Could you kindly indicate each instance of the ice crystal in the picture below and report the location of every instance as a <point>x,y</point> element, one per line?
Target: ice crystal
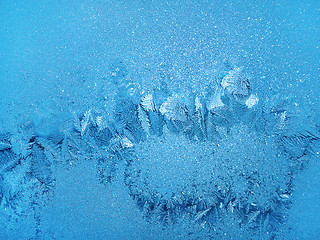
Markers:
<point>223,161</point>
<point>221,155</point>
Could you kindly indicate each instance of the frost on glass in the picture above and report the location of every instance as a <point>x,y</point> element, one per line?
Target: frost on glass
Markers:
<point>219,163</point>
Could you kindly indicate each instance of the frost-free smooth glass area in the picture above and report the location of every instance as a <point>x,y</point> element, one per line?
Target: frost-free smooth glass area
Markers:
<point>159,119</point>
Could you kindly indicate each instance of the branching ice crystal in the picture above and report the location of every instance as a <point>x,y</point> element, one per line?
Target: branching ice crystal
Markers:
<point>221,160</point>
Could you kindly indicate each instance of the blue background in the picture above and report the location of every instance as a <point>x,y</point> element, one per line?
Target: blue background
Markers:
<point>47,46</point>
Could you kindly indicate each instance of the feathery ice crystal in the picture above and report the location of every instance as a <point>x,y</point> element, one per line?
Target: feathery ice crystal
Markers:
<point>223,160</point>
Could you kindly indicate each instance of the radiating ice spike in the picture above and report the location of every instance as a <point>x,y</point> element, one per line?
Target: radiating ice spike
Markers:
<point>85,121</point>
<point>147,103</point>
<point>214,101</point>
<point>236,83</point>
<point>173,109</point>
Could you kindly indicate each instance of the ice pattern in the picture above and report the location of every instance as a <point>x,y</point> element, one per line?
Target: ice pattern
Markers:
<point>221,163</point>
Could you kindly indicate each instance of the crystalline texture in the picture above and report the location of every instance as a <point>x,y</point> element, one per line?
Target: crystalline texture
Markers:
<point>221,160</point>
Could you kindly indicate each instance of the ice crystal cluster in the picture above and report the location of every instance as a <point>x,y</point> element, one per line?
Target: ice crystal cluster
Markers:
<point>221,161</point>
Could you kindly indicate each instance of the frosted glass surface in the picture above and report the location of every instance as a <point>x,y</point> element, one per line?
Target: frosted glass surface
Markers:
<point>159,119</point>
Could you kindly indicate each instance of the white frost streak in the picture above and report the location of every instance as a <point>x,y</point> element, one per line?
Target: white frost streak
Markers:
<point>201,214</point>
<point>85,121</point>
